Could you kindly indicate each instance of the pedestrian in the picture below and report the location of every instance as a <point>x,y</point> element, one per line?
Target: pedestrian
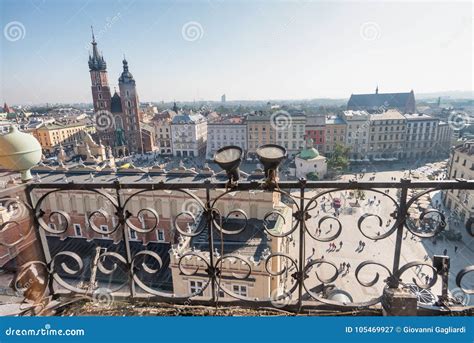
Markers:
<point>343,265</point>
<point>348,266</point>
<point>455,249</point>
<point>445,252</point>
<point>340,245</point>
<point>314,250</point>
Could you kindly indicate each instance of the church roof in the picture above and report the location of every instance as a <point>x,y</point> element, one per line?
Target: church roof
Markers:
<point>378,100</point>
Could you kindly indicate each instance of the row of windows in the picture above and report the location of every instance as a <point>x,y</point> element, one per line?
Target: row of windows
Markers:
<point>196,287</point>
<point>105,228</point>
<point>387,137</point>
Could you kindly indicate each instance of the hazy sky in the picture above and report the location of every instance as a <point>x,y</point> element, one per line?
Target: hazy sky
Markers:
<point>187,50</point>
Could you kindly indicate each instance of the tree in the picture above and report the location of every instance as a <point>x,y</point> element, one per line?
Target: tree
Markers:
<point>312,176</point>
<point>339,161</point>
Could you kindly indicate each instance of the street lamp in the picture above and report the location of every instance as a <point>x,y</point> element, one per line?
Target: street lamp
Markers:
<point>19,151</point>
<point>271,156</point>
<point>229,159</point>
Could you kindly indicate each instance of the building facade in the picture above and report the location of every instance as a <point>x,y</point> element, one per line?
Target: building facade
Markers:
<point>229,131</point>
<point>461,165</point>
<point>421,136</point>
<point>189,135</point>
<point>315,129</point>
<point>335,133</point>
<point>445,137</point>
<point>290,134</point>
<point>357,133</point>
<point>259,132</point>
<point>162,124</point>
<point>51,135</point>
<point>387,136</point>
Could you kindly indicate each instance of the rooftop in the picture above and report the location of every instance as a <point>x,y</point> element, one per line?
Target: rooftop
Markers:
<point>387,115</point>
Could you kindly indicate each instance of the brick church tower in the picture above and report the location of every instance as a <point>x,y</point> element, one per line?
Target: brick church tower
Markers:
<point>101,96</point>
<point>131,110</point>
<point>117,118</point>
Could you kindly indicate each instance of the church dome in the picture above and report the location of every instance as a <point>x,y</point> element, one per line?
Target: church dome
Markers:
<point>309,153</point>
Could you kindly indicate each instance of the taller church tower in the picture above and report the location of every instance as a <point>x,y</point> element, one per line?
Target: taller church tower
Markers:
<point>100,84</point>
<point>101,96</point>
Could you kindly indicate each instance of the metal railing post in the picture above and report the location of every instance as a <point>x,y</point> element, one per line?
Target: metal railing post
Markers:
<point>301,257</point>
<point>125,238</point>
<point>401,217</point>
<point>210,238</point>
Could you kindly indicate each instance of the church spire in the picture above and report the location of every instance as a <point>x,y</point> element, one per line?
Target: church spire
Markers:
<point>96,60</point>
<point>93,37</point>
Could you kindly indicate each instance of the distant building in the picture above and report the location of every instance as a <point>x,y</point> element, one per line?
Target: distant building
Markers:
<point>51,135</point>
<point>259,131</point>
<point>148,137</point>
<point>461,165</point>
<point>118,117</point>
<point>387,136</point>
<point>229,131</point>
<point>380,102</point>
<point>422,136</point>
<point>291,131</point>
<point>162,124</point>
<point>315,129</point>
<point>223,98</point>
<point>310,164</point>
<point>189,135</point>
<point>444,137</point>
<point>357,133</point>
<point>335,133</point>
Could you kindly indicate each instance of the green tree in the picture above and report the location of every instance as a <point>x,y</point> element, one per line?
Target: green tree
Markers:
<point>339,161</point>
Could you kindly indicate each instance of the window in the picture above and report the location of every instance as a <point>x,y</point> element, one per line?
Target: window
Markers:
<point>104,228</point>
<point>161,235</point>
<point>240,290</point>
<point>77,230</point>
<point>132,234</point>
<point>195,286</point>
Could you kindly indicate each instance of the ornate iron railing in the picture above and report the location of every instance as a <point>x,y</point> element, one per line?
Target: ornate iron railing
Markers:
<point>278,260</point>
